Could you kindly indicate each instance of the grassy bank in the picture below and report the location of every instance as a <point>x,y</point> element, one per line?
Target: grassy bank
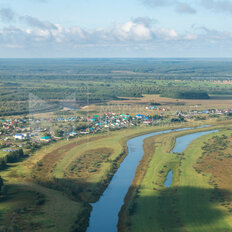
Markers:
<point>51,190</point>
<point>193,203</point>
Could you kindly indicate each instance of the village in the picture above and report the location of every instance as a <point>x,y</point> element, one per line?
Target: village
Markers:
<point>30,133</point>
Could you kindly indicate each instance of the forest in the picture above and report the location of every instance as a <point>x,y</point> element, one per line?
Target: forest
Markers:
<point>41,85</point>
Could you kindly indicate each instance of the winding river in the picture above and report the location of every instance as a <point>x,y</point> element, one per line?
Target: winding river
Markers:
<point>104,216</point>
<point>183,141</point>
<point>181,144</point>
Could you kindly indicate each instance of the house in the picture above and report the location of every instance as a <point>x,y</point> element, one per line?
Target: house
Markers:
<point>84,132</point>
<point>73,133</point>
<point>139,116</point>
<point>26,135</point>
<point>8,150</point>
<point>19,136</point>
<point>147,122</point>
<point>46,139</point>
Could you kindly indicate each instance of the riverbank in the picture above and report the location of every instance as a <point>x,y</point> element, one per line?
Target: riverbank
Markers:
<point>148,190</point>
<point>104,216</point>
<point>55,170</point>
<point>67,179</point>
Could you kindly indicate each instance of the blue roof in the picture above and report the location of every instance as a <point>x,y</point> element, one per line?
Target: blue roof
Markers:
<point>46,137</point>
<point>9,150</point>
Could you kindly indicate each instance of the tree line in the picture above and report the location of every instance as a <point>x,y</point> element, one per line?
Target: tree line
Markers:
<point>11,157</point>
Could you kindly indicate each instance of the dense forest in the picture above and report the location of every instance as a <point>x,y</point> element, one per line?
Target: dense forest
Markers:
<point>186,94</point>
<point>40,85</point>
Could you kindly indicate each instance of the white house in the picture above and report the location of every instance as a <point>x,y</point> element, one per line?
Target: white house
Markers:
<point>19,136</point>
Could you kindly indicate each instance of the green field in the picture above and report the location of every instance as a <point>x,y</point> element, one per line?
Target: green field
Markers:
<point>51,189</point>
<point>2,153</point>
<point>188,205</point>
<point>48,186</point>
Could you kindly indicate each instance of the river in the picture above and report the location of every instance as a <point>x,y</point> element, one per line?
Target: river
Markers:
<point>104,216</point>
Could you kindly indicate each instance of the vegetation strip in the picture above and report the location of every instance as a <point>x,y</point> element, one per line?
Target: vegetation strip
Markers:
<point>148,204</point>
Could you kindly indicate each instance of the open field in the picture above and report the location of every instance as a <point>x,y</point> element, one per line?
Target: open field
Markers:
<point>2,154</point>
<point>194,202</point>
<point>134,105</point>
<point>61,179</point>
<point>67,122</point>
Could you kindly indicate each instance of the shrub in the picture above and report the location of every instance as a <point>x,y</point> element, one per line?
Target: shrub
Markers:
<point>14,156</point>
<point>2,163</point>
<point>1,183</point>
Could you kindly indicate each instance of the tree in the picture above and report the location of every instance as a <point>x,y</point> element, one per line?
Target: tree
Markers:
<point>21,153</point>
<point>59,133</point>
<point>1,183</point>
<point>2,163</point>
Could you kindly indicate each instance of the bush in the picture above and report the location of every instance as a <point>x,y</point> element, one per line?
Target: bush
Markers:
<point>14,156</point>
<point>1,183</point>
<point>2,163</point>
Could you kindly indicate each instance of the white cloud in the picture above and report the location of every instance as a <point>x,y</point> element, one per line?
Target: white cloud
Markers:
<point>130,31</point>
<point>167,34</point>
<point>139,34</point>
<point>190,36</point>
<point>133,32</point>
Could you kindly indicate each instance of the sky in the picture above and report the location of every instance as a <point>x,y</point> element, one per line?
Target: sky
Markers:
<point>115,28</point>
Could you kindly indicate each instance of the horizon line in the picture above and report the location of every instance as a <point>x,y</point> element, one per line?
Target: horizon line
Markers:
<point>116,57</point>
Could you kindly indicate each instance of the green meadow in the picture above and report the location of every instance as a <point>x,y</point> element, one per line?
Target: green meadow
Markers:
<point>191,204</point>
<point>52,189</point>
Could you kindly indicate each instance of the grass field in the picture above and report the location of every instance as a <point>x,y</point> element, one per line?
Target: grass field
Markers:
<point>2,153</point>
<point>134,105</point>
<point>191,204</point>
<point>51,190</point>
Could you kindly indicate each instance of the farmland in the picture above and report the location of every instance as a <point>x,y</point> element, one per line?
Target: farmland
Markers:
<point>63,131</point>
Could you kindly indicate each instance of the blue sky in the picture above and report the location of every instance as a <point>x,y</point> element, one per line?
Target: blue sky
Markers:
<point>107,28</point>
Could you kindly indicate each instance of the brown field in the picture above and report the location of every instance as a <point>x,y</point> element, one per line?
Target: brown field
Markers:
<point>43,168</point>
<point>217,161</point>
<point>138,105</point>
